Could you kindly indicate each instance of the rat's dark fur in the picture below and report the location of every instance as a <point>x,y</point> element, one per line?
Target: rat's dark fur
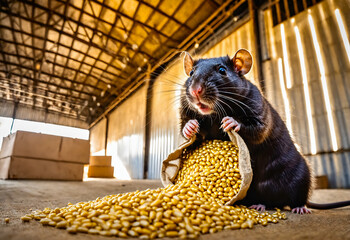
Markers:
<point>281,176</point>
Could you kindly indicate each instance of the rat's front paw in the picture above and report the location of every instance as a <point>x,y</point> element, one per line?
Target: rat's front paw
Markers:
<point>229,123</point>
<point>191,128</point>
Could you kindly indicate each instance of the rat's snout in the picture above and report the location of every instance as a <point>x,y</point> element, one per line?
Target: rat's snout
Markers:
<point>196,91</point>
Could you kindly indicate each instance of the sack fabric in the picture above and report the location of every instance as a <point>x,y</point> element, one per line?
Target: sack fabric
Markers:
<point>171,166</point>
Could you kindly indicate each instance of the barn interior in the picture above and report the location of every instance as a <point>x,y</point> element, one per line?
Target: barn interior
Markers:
<point>113,69</point>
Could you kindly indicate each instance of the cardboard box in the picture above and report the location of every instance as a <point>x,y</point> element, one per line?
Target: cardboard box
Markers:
<point>321,182</point>
<point>27,155</point>
<point>28,144</point>
<point>100,161</point>
<point>100,171</point>
<point>44,146</point>
<point>29,168</point>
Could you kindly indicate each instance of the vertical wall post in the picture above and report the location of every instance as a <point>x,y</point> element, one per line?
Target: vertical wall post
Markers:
<point>106,134</point>
<point>257,45</point>
<point>147,137</point>
<point>13,115</point>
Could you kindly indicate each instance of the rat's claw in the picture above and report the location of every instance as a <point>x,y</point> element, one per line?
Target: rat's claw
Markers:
<point>301,210</point>
<point>229,123</point>
<point>191,127</point>
<point>258,207</point>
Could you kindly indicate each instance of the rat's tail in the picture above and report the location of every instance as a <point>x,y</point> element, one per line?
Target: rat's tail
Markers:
<point>327,205</point>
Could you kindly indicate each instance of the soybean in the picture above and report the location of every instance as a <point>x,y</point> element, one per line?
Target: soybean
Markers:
<point>209,177</point>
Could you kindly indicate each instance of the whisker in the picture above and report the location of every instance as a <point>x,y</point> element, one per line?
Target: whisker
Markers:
<point>234,102</point>
<point>164,80</point>
<point>225,104</point>
<point>236,94</point>
<point>220,109</point>
<point>237,102</point>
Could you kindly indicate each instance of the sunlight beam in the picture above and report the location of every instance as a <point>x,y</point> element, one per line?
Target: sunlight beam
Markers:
<point>306,92</point>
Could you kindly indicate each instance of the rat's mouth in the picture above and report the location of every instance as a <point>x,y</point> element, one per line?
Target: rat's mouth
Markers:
<point>203,108</point>
<point>201,105</point>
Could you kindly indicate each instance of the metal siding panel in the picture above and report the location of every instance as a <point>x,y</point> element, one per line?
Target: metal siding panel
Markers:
<point>97,138</point>
<point>126,136</point>
<point>165,133</point>
<point>337,71</point>
<point>335,165</point>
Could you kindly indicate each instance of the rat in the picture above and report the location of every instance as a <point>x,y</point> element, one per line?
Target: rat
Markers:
<point>218,98</point>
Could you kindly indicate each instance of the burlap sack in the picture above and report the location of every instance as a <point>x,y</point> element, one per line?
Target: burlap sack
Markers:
<point>171,165</point>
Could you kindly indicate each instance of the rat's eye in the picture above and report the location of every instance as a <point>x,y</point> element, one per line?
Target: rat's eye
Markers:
<point>191,73</point>
<point>222,71</point>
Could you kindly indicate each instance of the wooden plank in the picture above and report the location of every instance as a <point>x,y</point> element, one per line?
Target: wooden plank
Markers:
<point>286,7</point>
<point>278,11</point>
<point>295,4</point>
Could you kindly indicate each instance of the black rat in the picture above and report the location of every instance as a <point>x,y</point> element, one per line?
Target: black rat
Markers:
<point>219,98</point>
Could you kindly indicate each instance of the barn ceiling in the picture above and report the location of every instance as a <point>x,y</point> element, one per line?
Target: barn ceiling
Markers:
<point>76,57</point>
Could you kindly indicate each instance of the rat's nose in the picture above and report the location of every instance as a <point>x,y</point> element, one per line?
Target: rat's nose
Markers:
<point>197,91</point>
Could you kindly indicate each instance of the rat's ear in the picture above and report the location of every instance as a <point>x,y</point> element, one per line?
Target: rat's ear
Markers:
<point>188,63</point>
<point>242,61</point>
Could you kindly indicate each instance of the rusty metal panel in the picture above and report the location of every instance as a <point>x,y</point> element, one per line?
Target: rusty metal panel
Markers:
<point>327,67</point>
<point>98,138</point>
<point>125,140</point>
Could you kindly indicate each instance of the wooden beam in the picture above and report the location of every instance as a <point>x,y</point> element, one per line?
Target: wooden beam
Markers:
<point>139,80</point>
<point>57,64</point>
<point>54,111</point>
<point>57,53</point>
<point>278,11</point>
<point>132,19</point>
<point>15,40</point>
<point>59,40</point>
<point>41,81</point>
<point>286,7</point>
<point>257,45</point>
<point>33,21</point>
<point>19,66</point>
<point>38,95</point>
<point>304,4</point>
<point>63,97</point>
<point>118,51</point>
<point>295,4</point>
<point>171,17</point>
<point>67,18</point>
<point>99,55</point>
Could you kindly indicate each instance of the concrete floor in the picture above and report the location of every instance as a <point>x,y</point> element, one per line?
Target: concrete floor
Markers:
<point>17,197</point>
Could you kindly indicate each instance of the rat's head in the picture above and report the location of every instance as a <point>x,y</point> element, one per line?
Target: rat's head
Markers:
<point>212,82</point>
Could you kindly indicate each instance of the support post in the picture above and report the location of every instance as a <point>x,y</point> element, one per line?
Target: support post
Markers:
<point>14,115</point>
<point>106,134</point>
<point>257,45</point>
<point>147,138</point>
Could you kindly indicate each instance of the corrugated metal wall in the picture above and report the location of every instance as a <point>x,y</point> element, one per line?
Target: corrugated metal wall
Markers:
<point>98,138</point>
<point>125,138</point>
<point>164,121</point>
<point>326,61</point>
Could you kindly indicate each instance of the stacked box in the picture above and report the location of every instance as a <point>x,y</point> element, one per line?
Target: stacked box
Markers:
<point>321,182</point>
<point>28,155</point>
<point>100,167</point>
